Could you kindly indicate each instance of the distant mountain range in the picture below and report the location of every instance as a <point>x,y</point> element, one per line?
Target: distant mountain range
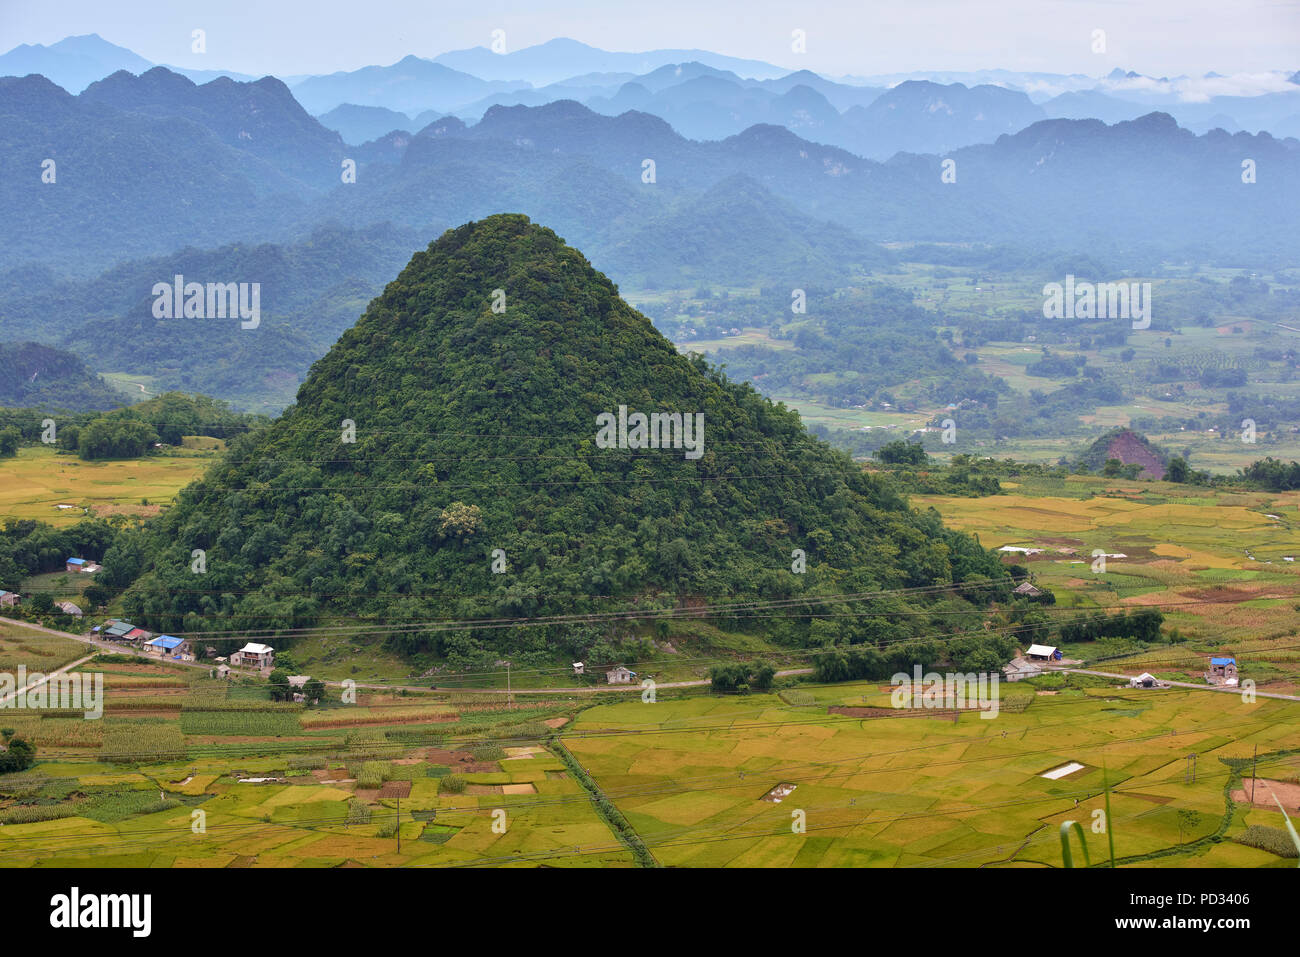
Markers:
<point>710,96</point>
<point>562,58</point>
<point>235,181</point>
<point>75,62</point>
<point>148,164</point>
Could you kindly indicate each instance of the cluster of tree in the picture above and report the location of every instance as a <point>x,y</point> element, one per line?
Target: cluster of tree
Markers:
<point>854,348</point>
<point>1141,625</point>
<point>119,436</point>
<point>29,547</point>
<point>1272,474</point>
<point>18,755</point>
<point>1056,367</point>
<point>965,653</point>
<point>902,452</point>
<point>742,677</point>
<point>126,432</point>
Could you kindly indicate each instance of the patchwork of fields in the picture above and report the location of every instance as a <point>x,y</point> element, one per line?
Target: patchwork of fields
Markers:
<point>919,791</point>
<point>187,771</point>
<point>1215,562</point>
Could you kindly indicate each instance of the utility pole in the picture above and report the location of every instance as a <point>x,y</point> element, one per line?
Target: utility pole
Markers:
<point>510,698</point>
<point>399,824</point>
<point>1254,764</point>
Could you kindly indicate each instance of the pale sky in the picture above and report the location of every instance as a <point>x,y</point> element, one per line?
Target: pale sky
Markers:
<point>287,37</point>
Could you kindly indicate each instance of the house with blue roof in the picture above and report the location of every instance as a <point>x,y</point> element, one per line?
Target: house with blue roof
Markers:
<point>1222,671</point>
<point>75,564</point>
<point>168,646</point>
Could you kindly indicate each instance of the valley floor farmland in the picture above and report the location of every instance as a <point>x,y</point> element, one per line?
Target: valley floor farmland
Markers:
<point>35,483</point>
<point>696,778</point>
<point>1222,565</point>
<point>394,780</point>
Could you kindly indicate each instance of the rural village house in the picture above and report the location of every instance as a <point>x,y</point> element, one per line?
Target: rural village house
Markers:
<point>1223,671</point>
<point>619,676</point>
<point>254,655</point>
<point>169,645</point>
<point>114,629</point>
<point>8,599</point>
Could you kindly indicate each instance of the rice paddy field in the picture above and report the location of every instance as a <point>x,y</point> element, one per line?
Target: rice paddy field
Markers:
<point>188,771</point>
<point>1223,566</point>
<point>60,489</point>
<point>700,779</point>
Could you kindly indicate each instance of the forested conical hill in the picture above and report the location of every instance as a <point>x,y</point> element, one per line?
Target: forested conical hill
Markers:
<point>476,430</point>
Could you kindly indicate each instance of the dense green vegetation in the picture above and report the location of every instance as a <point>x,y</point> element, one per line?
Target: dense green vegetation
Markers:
<point>18,753</point>
<point>37,375</point>
<point>475,431</point>
<point>28,548</point>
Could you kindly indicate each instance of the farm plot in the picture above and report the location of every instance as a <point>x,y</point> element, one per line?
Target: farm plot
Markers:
<point>922,792</point>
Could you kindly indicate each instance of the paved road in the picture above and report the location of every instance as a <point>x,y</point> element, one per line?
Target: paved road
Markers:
<point>1182,684</point>
<point>597,689</point>
<point>117,648</point>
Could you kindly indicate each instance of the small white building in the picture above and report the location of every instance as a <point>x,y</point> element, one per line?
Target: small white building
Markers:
<point>619,676</point>
<point>1144,680</point>
<point>254,655</point>
<point>1041,653</point>
<point>579,667</point>
<point>223,671</point>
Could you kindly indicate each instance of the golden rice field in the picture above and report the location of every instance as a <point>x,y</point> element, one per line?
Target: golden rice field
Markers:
<point>691,777</point>
<point>37,481</point>
<point>1214,561</point>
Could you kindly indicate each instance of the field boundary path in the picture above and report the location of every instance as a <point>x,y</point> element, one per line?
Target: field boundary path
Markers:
<point>44,679</point>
